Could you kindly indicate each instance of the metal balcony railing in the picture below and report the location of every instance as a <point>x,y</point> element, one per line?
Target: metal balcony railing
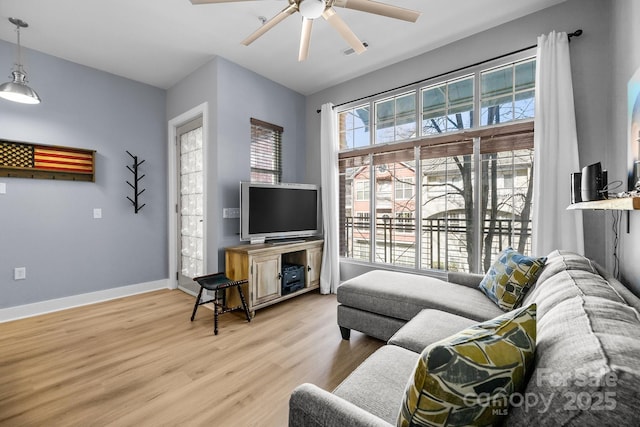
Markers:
<point>443,241</point>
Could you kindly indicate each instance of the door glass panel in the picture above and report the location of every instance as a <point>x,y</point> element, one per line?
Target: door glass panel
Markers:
<point>191,204</point>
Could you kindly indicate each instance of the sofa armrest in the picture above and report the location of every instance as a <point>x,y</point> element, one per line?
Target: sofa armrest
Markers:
<point>311,406</point>
<point>470,280</point>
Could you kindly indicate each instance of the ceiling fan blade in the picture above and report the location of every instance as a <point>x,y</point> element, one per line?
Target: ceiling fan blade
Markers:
<point>341,27</point>
<point>377,8</point>
<point>305,39</point>
<point>287,11</point>
<point>215,1</point>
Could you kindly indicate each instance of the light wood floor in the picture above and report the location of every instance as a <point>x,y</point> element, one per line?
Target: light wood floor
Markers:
<point>140,361</point>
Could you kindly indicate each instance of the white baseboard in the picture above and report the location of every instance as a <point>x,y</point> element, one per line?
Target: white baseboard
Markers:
<point>49,306</point>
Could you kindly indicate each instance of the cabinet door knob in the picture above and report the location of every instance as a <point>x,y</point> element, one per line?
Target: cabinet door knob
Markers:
<point>308,268</point>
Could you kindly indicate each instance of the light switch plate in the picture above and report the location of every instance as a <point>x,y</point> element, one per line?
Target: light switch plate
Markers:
<point>97,213</point>
<point>3,188</point>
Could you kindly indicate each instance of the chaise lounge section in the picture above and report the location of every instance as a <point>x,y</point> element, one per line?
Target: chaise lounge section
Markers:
<point>379,303</point>
<point>586,369</point>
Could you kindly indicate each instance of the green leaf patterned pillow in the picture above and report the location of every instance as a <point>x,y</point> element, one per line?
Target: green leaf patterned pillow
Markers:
<point>510,277</point>
<point>466,379</point>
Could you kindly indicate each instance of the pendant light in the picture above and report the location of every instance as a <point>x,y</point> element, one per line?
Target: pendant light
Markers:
<point>17,90</point>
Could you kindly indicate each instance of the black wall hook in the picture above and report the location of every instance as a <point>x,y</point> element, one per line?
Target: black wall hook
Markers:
<point>134,170</point>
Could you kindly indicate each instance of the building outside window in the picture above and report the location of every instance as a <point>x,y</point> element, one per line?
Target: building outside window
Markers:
<point>362,190</point>
<point>442,199</point>
<point>404,188</point>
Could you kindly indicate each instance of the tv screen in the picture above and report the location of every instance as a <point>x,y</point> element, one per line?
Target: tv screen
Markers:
<point>278,211</point>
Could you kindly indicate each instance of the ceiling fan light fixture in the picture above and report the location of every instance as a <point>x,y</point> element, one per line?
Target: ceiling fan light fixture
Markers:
<point>311,9</point>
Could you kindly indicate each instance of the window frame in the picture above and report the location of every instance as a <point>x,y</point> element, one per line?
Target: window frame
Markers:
<point>364,191</point>
<point>275,139</point>
<point>475,134</point>
<point>404,188</point>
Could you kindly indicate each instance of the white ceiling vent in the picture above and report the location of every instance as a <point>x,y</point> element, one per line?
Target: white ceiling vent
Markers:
<point>350,51</point>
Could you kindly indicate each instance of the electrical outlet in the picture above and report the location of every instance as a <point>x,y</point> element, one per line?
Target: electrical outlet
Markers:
<point>231,213</point>
<point>97,213</point>
<point>3,188</point>
<point>19,273</point>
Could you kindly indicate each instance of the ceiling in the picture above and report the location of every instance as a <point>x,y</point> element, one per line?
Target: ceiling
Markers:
<point>159,42</point>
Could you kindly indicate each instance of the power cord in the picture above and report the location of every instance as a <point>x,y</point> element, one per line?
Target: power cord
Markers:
<point>616,232</point>
<point>609,187</point>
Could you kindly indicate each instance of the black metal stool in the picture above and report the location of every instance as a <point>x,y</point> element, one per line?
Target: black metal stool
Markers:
<point>219,282</point>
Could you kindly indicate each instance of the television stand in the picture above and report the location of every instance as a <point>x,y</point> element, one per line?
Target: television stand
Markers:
<point>261,264</point>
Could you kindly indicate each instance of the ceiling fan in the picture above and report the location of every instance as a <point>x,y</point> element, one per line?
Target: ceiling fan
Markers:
<point>313,9</point>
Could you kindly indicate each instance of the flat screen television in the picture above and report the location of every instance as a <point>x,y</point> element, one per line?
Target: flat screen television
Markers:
<point>279,211</point>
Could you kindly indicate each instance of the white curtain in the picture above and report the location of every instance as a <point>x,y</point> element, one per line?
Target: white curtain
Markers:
<point>556,150</point>
<point>330,273</point>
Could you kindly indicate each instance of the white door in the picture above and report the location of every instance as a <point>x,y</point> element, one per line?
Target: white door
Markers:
<point>190,185</point>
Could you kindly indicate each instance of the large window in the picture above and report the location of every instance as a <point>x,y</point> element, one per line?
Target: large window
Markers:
<point>396,118</point>
<point>266,149</point>
<point>354,127</point>
<point>508,93</point>
<point>429,196</point>
<point>447,106</point>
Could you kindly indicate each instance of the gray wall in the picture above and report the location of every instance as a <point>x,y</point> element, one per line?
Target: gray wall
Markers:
<point>626,60</point>
<point>236,94</point>
<point>47,226</point>
<point>590,62</point>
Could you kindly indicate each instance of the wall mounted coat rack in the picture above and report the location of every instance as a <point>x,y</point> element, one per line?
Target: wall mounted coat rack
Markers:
<point>136,194</point>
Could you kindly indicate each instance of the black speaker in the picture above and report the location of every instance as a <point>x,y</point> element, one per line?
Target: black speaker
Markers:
<point>591,182</point>
<point>576,179</point>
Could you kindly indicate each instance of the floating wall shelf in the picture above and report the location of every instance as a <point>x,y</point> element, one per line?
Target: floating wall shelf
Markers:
<point>622,204</point>
<point>26,160</point>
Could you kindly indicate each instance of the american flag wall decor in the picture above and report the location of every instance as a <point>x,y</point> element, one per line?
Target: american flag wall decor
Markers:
<point>24,160</point>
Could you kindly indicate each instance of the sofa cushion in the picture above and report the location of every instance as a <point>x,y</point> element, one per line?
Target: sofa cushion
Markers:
<point>467,379</point>
<point>428,327</point>
<point>510,277</point>
<point>587,368</point>
<point>377,385</point>
<point>588,348</point>
<point>403,295</point>
<point>560,260</point>
<point>578,278</point>
<point>624,292</point>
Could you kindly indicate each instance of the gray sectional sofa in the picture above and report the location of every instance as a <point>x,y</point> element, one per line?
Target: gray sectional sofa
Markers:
<point>587,361</point>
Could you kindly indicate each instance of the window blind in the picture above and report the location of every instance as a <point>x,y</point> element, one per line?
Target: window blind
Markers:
<point>266,152</point>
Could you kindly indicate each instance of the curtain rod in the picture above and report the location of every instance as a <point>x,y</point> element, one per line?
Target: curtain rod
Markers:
<point>576,33</point>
